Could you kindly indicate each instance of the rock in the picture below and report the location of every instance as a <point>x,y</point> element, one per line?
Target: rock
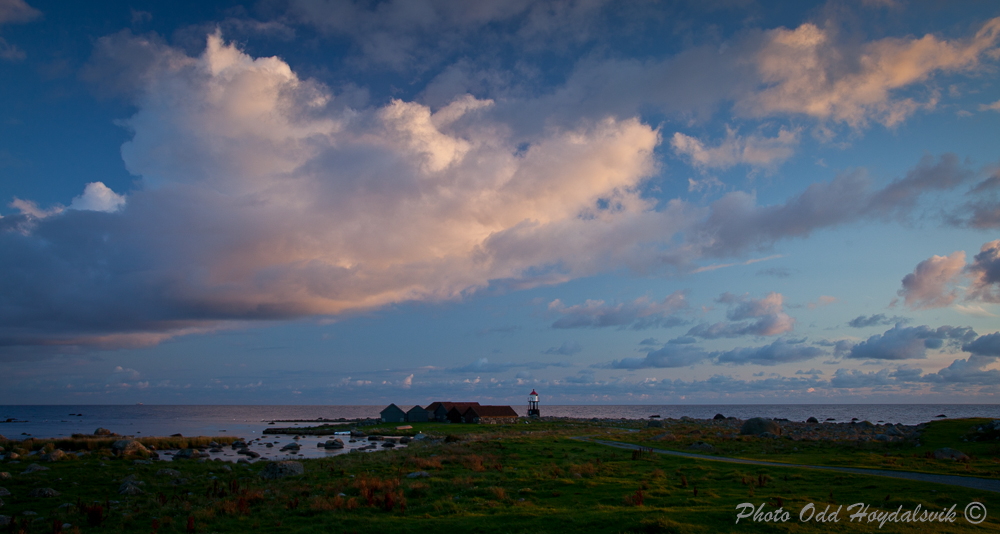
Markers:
<point>5,520</point>
<point>102,432</point>
<point>719,417</point>
<point>418,437</point>
<point>226,468</point>
<point>666,436</point>
<point>141,462</point>
<point>215,450</point>
<point>43,492</point>
<point>768,435</point>
<point>291,447</point>
<point>358,434</point>
<point>388,445</point>
<point>950,454</point>
<point>893,431</point>
<point>404,440</point>
<point>759,425</point>
<point>882,437</point>
<point>129,447</point>
<point>336,443</point>
<point>239,444</point>
<point>4,492</point>
<point>129,488</point>
<point>418,474</point>
<point>275,470</point>
<point>13,456</point>
<point>812,420</point>
<point>168,472</point>
<point>701,446</point>
<point>53,456</point>
<point>654,423</point>
<point>269,445</point>
<point>1,503</point>
<point>187,454</point>
<point>34,468</point>
<point>132,479</point>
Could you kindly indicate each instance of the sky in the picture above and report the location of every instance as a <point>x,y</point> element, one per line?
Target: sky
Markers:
<point>339,202</point>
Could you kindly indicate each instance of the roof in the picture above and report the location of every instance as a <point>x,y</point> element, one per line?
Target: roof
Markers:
<point>417,407</point>
<point>462,406</point>
<point>390,407</point>
<point>533,393</point>
<point>493,411</point>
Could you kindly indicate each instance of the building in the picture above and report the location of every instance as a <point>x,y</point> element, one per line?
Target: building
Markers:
<point>416,415</point>
<point>533,405</point>
<point>438,411</point>
<point>393,414</point>
<point>489,415</point>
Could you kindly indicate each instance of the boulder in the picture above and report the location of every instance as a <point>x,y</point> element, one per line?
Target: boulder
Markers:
<point>5,476</point>
<point>276,470</point>
<point>34,468</point>
<point>759,425</point>
<point>404,440</point>
<point>893,431</point>
<point>812,420</point>
<point>239,444</point>
<point>883,438</point>
<point>187,454</point>
<point>129,447</point>
<point>768,435</point>
<point>129,488</point>
<point>950,454</point>
<point>336,443</point>
<point>53,456</point>
<point>418,437</point>
<point>43,492</point>
<point>291,447</point>
<point>102,432</point>
<point>719,417</point>
<point>666,436</point>
<point>654,423</point>
<point>13,456</point>
<point>701,446</point>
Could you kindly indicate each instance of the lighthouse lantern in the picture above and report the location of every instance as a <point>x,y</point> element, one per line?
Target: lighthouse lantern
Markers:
<point>533,405</point>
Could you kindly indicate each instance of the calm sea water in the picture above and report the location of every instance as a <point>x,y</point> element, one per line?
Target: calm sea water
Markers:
<point>250,421</point>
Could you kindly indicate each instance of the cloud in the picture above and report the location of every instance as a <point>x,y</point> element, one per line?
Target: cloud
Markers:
<point>566,349</point>
<point>752,150</point>
<point>929,285</point>
<point>970,371</point>
<point>809,372</point>
<point>670,356</point>
<point>907,343</point>
<point>17,12</point>
<point>994,106</point>
<point>639,314</point>
<point>483,365</point>
<point>748,316</point>
<point>804,71</point>
<point>985,273</point>
<point>98,197</point>
<point>781,351</point>
<point>986,345</point>
<point>878,319</point>
<point>902,193</point>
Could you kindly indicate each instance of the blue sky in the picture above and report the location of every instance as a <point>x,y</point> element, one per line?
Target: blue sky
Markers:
<point>608,202</point>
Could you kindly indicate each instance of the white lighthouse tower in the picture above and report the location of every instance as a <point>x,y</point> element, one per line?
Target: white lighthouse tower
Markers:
<point>533,405</point>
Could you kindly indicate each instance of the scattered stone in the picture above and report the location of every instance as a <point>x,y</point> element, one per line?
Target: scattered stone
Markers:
<point>758,425</point>
<point>950,454</point>
<point>102,432</point>
<point>43,492</point>
<point>719,417</point>
<point>812,420</point>
<point>701,446</point>
<point>275,470</point>
<point>34,468</point>
<point>418,474</point>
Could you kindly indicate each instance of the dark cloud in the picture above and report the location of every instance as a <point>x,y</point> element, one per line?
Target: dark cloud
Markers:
<point>670,356</point>
<point>987,345</point>
<point>985,273</point>
<point>906,343</point>
<point>897,198</point>
<point>781,351</point>
<point>639,314</point>
<point>809,372</point>
<point>566,349</point>
<point>878,319</point>
<point>649,341</point>
<point>967,372</point>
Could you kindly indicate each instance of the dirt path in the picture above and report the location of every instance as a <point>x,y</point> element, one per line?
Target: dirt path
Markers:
<point>950,480</point>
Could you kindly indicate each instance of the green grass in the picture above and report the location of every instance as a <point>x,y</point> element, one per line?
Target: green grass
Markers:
<point>525,478</point>
<point>901,456</point>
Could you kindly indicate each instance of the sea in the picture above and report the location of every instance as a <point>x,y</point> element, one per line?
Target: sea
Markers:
<point>249,422</point>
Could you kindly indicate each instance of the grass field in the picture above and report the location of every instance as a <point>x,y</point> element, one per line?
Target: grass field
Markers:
<point>529,478</point>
